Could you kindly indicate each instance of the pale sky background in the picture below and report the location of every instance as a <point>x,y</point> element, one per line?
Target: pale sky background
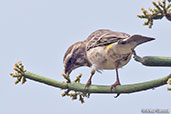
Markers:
<point>38,32</point>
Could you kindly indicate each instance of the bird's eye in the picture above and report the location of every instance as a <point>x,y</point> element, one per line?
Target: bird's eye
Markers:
<point>123,42</point>
<point>71,60</point>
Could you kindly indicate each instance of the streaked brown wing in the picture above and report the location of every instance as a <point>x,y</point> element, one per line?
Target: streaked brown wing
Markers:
<point>103,38</point>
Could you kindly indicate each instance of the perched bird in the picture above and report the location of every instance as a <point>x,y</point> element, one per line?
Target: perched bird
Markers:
<point>103,50</point>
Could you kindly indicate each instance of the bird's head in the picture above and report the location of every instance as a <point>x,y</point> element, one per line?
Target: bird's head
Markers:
<point>75,57</point>
<point>127,44</point>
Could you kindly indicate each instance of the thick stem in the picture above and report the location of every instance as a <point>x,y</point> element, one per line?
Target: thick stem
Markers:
<point>98,88</point>
<point>154,61</point>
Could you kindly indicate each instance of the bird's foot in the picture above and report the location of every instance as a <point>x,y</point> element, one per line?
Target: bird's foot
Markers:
<point>114,85</point>
<point>88,84</point>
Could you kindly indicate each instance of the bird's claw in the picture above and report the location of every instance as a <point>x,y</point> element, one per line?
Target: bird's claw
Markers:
<point>88,83</point>
<point>114,85</point>
<point>86,86</point>
<point>117,95</point>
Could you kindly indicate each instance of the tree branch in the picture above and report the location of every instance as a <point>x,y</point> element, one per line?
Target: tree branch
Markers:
<point>98,88</point>
<point>154,61</point>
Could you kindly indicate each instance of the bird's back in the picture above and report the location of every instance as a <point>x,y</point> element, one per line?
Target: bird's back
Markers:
<point>104,37</point>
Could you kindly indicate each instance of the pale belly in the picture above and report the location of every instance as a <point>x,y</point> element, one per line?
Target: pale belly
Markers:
<point>102,59</point>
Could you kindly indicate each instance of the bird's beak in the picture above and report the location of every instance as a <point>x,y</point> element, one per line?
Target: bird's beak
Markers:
<point>139,39</point>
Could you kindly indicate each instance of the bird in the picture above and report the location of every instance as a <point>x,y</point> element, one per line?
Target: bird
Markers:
<point>103,50</point>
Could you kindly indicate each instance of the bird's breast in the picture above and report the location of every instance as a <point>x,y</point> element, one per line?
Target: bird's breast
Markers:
<point>102,58</point>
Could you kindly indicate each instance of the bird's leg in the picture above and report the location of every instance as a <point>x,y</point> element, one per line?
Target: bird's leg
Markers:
<point>116,83</point>
<point>89,81</point>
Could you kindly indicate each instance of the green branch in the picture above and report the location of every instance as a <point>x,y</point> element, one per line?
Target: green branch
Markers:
<point>79,89</point>
<point>98,88</point>
<point>154,61</point>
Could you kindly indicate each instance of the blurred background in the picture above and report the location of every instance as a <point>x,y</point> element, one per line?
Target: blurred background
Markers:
<point>38,32</point>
